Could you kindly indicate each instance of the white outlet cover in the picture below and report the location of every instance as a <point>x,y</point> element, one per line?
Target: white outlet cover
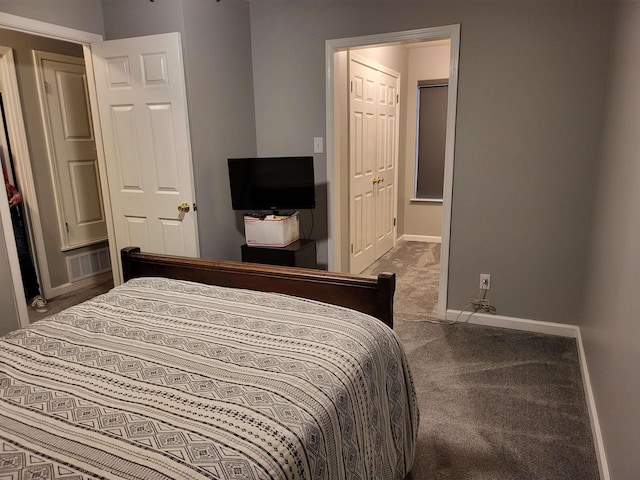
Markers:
<point>318,144</point>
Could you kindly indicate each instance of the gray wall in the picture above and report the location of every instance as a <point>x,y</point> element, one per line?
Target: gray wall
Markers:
<point>222,114</point>
<point>135,18</point>
<point>217,56</point>
<point>78,14</point>
<point>610,330</point>
<point>531,92</point>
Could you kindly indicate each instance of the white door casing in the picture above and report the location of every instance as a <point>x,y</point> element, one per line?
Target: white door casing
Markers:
<point>373,152</point>
<point>66,115</point>
<point>337,190</point>
<point>143,114</point>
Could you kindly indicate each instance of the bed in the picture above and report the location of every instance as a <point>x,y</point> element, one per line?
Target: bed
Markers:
<point>199,369</point>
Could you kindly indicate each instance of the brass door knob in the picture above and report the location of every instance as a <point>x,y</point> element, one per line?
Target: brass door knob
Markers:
<point>183,208</point>
<point>376,180</point>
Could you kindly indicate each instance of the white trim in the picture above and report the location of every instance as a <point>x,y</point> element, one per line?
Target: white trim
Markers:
<point>80,284</point>
<point>419,238</point>
<point>50,30</point>
<point>451,32</point>
<point>102,166</point>
<point>426,200</point>
<point>447,190</point>
<point>593,413</point>
<point>513,323</point>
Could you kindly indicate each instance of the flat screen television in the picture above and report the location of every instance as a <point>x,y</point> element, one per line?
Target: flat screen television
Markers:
<point>272,183</point>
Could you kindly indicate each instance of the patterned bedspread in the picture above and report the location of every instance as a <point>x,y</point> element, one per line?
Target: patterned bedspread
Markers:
<point>162,379</point>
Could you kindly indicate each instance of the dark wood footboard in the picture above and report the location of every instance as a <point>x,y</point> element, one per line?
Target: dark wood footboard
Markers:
<point>373,296</point>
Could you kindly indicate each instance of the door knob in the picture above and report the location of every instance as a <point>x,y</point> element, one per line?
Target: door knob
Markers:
<point>183,208</point>
<point>376,180</point>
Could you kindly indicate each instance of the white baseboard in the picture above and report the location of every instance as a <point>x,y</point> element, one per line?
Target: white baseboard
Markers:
<point>420,238</point>
<point>593,413</point>
<point>550,328</point>
<point>84,283</point>
<point>514,323</point>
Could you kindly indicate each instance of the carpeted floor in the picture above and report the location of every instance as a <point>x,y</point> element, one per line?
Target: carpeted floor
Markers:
<point>59,303</point>
<point>494,403</point>
<point>497,404</point>
<point>418,268</point>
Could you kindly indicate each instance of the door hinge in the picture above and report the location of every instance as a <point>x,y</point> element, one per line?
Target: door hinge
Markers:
<point>352,248</point>
<point>66,225</point>
<point>397,98</point>
<point>394,222</point>
<point>46,87</point>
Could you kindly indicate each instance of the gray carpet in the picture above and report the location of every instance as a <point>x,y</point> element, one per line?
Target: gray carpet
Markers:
<point>59,303</point>
<point>416,295</point>
<point>495,403</point>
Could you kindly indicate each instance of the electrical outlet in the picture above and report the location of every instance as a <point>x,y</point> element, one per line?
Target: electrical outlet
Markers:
<point>485,281</point>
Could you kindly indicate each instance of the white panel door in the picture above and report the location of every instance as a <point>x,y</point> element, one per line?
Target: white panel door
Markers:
<point>74,166</point>
<point>373,147</point>
<point>362,166</point>
<point>144,120</point>
<point>387,153</point>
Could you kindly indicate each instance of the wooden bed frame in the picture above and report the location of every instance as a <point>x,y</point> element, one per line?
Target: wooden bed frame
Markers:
<point>373,296</point>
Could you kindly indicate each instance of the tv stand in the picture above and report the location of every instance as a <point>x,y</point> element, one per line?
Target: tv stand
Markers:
<point>301,253</point>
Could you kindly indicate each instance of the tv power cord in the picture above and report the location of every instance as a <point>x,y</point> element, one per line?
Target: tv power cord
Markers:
<point>475,305</point>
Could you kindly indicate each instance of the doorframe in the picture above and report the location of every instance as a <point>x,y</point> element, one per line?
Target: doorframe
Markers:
<point>337,191</point>
<point>15,130</point>
<point>20,147</point>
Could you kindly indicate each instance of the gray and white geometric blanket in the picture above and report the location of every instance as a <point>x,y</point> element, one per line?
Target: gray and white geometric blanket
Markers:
<point>167,379</point>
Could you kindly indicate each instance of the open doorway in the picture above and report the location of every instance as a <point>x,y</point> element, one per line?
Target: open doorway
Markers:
<point>337,141</point>
<point>54,277</point>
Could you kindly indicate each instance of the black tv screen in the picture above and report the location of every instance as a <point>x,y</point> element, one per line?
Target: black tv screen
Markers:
<point>272,183</point>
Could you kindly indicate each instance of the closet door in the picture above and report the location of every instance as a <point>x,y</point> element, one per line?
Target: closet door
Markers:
<point>373,154</point>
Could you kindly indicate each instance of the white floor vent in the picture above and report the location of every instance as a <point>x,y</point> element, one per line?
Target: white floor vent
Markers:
<point>88,264</point>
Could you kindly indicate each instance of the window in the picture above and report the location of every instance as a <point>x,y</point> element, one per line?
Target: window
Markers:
<point>430,138</point>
